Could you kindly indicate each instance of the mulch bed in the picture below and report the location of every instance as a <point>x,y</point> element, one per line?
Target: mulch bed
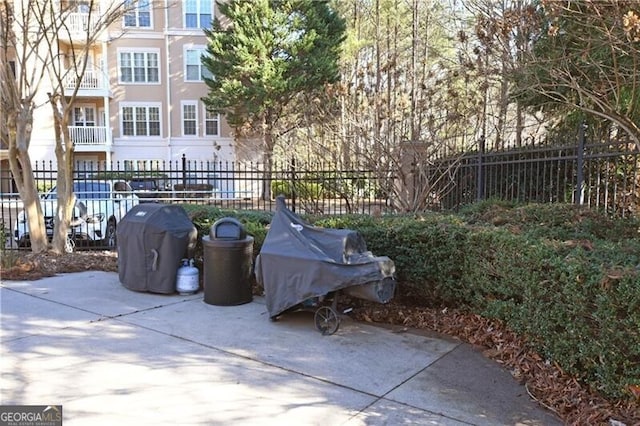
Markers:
<point>32,266</point>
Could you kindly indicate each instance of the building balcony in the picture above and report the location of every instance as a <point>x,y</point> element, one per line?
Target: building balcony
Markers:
<point>78,25</point>
<point>94,83</point>
<point>90,138</point>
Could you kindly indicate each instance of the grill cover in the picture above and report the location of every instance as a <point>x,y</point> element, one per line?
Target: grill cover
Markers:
<point>152,239</point>
<point>299,261</point>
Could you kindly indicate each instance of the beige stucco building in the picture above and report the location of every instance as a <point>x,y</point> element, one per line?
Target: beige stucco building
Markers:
<point>140,99</point>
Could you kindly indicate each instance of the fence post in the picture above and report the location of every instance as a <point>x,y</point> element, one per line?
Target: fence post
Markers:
<point>184,172</point>
<point>293,184</point>
<point>480,171</point>
<point>579,197</point>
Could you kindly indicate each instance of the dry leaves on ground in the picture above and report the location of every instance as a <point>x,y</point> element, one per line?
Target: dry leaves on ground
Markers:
<point>545,381</point>
<point>33,266</point>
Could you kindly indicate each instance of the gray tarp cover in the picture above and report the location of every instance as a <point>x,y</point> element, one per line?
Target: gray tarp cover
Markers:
<point>152,239</point>
<point>299,261</point>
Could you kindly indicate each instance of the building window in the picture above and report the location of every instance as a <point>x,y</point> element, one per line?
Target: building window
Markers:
<point>139,67</point>
<point>82,7</point>
<point>12,65</point>
<point>211,123</point>
<point>189,119</point>
<point>138,14</point>
<point>194,70</point>
<point>140,120</point>
<point>142,165</point>
<point>84,116</point>
<point>197,13</point>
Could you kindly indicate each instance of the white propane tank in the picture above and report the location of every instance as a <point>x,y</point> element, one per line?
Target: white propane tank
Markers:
<point>187,279</point>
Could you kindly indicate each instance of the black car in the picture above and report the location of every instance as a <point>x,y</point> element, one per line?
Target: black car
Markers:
<point>150,189</point>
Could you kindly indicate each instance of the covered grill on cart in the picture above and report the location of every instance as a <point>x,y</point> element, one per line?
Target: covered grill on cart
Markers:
<point>302,266</point>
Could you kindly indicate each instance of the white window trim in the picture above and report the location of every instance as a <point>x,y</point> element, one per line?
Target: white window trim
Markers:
<point>138,27</point>
<point>186,47</point>
<point>182,105</point>
<point>204,123</point>
<point>139,50</point>
<point>184,15</point>
<point>139,104</point>
<point>101,119</point>
<point>84,105</point>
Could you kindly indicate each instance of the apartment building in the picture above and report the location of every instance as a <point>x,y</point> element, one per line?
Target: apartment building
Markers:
<point>139,101</point>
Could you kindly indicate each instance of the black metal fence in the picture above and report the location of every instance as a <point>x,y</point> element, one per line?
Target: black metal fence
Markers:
<point>312,188</point>
<point>603,176</point>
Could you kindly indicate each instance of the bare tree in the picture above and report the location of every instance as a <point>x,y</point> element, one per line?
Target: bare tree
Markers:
<point>20,81</point>
<point>63,94</point>
<point>404,94</point>
<point>32,34</point>
<point>585,58</point>
<point>501,38</point>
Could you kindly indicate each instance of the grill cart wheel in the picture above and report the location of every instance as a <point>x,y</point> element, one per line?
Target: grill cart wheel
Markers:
<point>327,320</point>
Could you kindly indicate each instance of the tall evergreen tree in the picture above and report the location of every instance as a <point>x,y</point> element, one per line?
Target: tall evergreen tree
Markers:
<point>265,54</point>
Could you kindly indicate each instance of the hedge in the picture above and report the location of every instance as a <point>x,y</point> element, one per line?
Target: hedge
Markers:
<point>565,278</point>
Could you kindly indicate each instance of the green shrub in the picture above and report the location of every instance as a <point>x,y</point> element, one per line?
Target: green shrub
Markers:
<point>566,279</point>
<point>8,258</point>
<point>425,249</point>
<point>203,217</point>
<point>311,191</point>
<point>45,186</point>
<point>305,190</point>
<point>281,187</point>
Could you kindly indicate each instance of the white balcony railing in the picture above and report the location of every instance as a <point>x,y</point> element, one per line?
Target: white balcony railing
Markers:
<point>89,135</point>
<point>93,79</point>
<point>78,25</point>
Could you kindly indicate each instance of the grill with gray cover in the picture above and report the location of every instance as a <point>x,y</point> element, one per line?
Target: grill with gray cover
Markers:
<point>300,264</point>
<point>152,240</point>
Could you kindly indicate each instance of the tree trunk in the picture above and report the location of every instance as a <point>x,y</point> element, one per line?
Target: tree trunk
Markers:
<point>519,124</point>
<point>503,106</point>
<point>20,165</point>
<point>268,143</point>
<point>64,180</point>
<point>415,130</point>
<point>31,203</point>
<point>267,159</point>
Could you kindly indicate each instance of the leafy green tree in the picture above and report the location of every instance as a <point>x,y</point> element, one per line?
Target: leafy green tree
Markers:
<point>264,56</point>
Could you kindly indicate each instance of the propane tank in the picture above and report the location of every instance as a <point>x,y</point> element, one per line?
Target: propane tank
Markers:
<point>187,279</point>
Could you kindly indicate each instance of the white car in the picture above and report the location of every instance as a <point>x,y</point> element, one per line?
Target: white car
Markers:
<point>100,204</point>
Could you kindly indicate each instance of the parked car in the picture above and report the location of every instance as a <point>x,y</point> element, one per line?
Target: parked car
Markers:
<point>150,188</point>
<point>100,204</point>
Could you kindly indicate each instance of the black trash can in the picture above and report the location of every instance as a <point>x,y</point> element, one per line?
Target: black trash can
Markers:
<point>228,258</point>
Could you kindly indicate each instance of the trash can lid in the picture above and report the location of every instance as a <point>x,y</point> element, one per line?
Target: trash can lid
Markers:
<point>227,228</point>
